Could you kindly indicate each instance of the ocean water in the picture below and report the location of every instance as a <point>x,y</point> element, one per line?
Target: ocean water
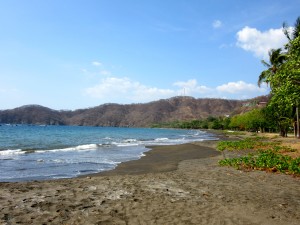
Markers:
<point>52,152</point>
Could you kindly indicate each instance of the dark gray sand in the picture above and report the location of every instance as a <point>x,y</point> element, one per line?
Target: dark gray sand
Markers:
<point>162,159</point>
<point>171,185</point>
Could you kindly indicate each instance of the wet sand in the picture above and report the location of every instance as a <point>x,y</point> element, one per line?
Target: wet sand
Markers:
<point>180,184</point>
<point>162,159</point>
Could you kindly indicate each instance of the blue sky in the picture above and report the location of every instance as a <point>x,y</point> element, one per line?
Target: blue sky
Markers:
<point>82,53</point>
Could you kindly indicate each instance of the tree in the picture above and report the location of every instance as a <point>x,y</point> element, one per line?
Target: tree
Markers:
<point>276,58</point>
<point>283,74</point>
<point>286,83</point>
<point>294,32</point>
<point>254,120</point>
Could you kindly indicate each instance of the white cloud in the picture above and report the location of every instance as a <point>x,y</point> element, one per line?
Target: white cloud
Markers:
<point>96,63</point>
<point>125,90</point>
<point>113,88</point>
<point>217,24</point>
<point>191,87</point>
<point>258,42</point>
<point>239,87</point>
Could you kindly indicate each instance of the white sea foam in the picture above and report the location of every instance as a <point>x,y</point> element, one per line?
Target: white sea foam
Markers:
<point>58,160</point>
<point>127,144</point>
<point>76,148</point>
<point>83,151</point>
<point>161,139</point>
<point>11,152</point>
<point>107,138</point>
<point>107,161</point>
<point>87,147</point>
<point>131,140</point>
<point>167,141</point>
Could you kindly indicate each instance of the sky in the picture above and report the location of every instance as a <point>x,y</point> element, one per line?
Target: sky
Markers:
<point>74,54</point>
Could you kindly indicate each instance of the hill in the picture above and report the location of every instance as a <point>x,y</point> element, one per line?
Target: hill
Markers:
<point>131,115</point>
<point>31,114</point>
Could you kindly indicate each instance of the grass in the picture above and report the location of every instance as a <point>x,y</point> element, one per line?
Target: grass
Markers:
<point>267,155</point>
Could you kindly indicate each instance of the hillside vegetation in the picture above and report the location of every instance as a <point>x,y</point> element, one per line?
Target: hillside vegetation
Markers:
<point>131,115</point>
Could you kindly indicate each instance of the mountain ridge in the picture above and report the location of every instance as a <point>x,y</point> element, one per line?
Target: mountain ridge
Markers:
<point>128,115</point>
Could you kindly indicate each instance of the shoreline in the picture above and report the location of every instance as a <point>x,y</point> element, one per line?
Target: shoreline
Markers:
<point>158,160</point>
<point>162,158</point>
<point>182,188</point>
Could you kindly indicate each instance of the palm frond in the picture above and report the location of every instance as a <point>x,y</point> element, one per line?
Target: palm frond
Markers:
<point>265,63</point>
<point>296,30</point>
<point>264,77</point>
<point>285,30</point>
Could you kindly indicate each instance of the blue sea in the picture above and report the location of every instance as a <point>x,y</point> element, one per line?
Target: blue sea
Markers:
<point>30,152</point>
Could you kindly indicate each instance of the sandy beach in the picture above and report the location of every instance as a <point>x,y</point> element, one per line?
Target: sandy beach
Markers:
<point>180,184</point>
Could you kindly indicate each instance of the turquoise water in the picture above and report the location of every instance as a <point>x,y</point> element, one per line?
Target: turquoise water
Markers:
<point>53,152</point>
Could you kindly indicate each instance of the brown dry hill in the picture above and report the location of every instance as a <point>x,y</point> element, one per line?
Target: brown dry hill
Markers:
<point>131,115</point>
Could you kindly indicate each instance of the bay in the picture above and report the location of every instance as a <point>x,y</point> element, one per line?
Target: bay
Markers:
<point>30,152</point>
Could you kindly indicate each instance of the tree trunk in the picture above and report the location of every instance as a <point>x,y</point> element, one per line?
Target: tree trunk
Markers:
<point>297,113</point>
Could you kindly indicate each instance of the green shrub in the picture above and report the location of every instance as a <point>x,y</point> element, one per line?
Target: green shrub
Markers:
<point>247,143</point>
<point>269,160</point>
<point>268,157</point>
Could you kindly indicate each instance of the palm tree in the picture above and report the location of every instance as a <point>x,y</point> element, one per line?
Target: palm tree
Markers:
<point>295,32</point>
<point>292,35</point>
<point>276,58</point>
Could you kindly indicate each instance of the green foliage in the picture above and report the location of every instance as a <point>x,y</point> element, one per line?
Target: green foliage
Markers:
<point>216,123</point>
<point>254,120</point>
<point>235,145</point>
<point>277,58</point>
<point>246,144</point>
<point>269,160</point>
<point>283,74</point>
<point>269,157</point>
